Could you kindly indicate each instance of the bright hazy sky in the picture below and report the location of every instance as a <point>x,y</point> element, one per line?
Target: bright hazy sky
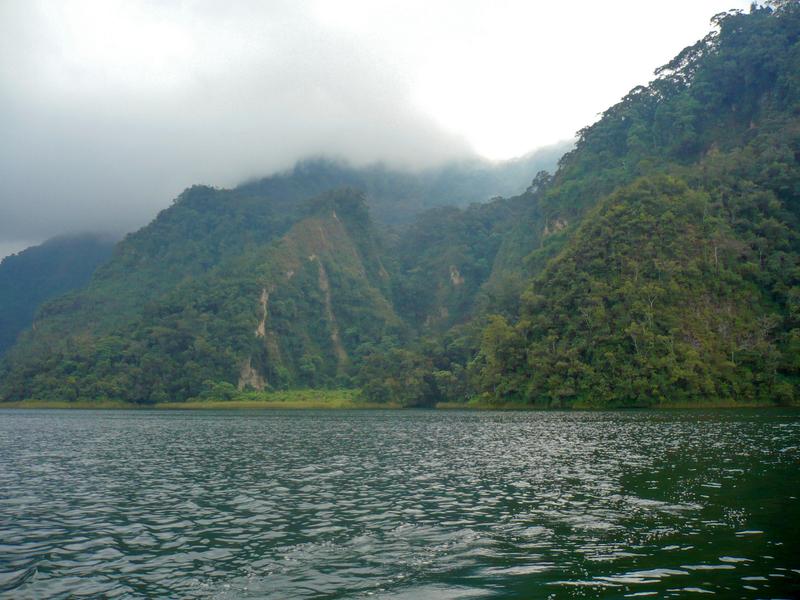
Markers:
<point>109,109</point>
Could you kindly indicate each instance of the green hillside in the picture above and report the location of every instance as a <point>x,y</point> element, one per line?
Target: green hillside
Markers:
<point>676,278</point>
<point>653,300</point>
<point>659,265</point>
<point>291,311</point>
<point>39,273</point>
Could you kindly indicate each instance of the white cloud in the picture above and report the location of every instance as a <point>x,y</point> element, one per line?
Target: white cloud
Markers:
<point>109,108</point>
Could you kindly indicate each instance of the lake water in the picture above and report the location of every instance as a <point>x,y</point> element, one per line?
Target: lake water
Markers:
<point>404,504</point>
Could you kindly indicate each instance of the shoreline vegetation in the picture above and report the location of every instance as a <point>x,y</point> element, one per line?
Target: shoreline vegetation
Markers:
<point>351,399</point>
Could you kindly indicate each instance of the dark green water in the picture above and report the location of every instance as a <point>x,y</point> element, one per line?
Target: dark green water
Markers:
<point>399,504</point>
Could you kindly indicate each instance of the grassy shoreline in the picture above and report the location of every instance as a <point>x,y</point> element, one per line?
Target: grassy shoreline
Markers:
<point>510,406</point>
<point>291,399</point>
<point>346,399</point>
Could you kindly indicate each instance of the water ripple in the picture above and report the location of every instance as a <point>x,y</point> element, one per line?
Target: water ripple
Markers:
<point>398,504</point>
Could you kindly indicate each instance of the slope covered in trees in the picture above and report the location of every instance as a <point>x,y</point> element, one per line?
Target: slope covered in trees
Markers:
<point>660,264</point>
<point>680,283</point>
<point>39,273</point>
<point>292,311</point>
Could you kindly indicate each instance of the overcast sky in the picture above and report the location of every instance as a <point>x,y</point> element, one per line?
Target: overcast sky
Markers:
<point>108,109</point>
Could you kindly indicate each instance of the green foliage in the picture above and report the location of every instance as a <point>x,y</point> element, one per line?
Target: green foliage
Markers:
<point>441,262</point>
<point>40,273</point>
<point>671,288</point>
<point>286,313</point>
<point>398,376</point>
<point>654,300</point>
<point>659,265</point>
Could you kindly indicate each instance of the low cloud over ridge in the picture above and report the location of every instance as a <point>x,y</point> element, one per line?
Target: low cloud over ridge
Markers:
<point>110,108</point>
<point>88,145</point>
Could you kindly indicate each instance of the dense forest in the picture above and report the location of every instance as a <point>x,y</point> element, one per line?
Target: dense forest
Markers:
<point>658,265</point>
<point>39,273</point>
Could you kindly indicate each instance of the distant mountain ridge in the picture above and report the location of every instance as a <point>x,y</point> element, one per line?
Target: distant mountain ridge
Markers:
<point>395,196</point>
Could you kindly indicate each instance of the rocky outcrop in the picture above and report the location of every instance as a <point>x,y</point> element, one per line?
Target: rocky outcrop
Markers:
<point>336,340</point>
<point>250,379</point>
<point>261,330</point>
<point>455,276</point>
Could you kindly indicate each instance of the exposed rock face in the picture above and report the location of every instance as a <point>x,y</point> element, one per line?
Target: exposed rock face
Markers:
<point>249,378</point>
<point>261,330</point>
<point>336,340</point>
<point>455,276</point>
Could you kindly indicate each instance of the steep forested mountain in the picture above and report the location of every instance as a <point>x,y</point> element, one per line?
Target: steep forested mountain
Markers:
<point>42,272</point>
<point>675,277</point>
<point>273,304</point>
<point>660,264</point>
